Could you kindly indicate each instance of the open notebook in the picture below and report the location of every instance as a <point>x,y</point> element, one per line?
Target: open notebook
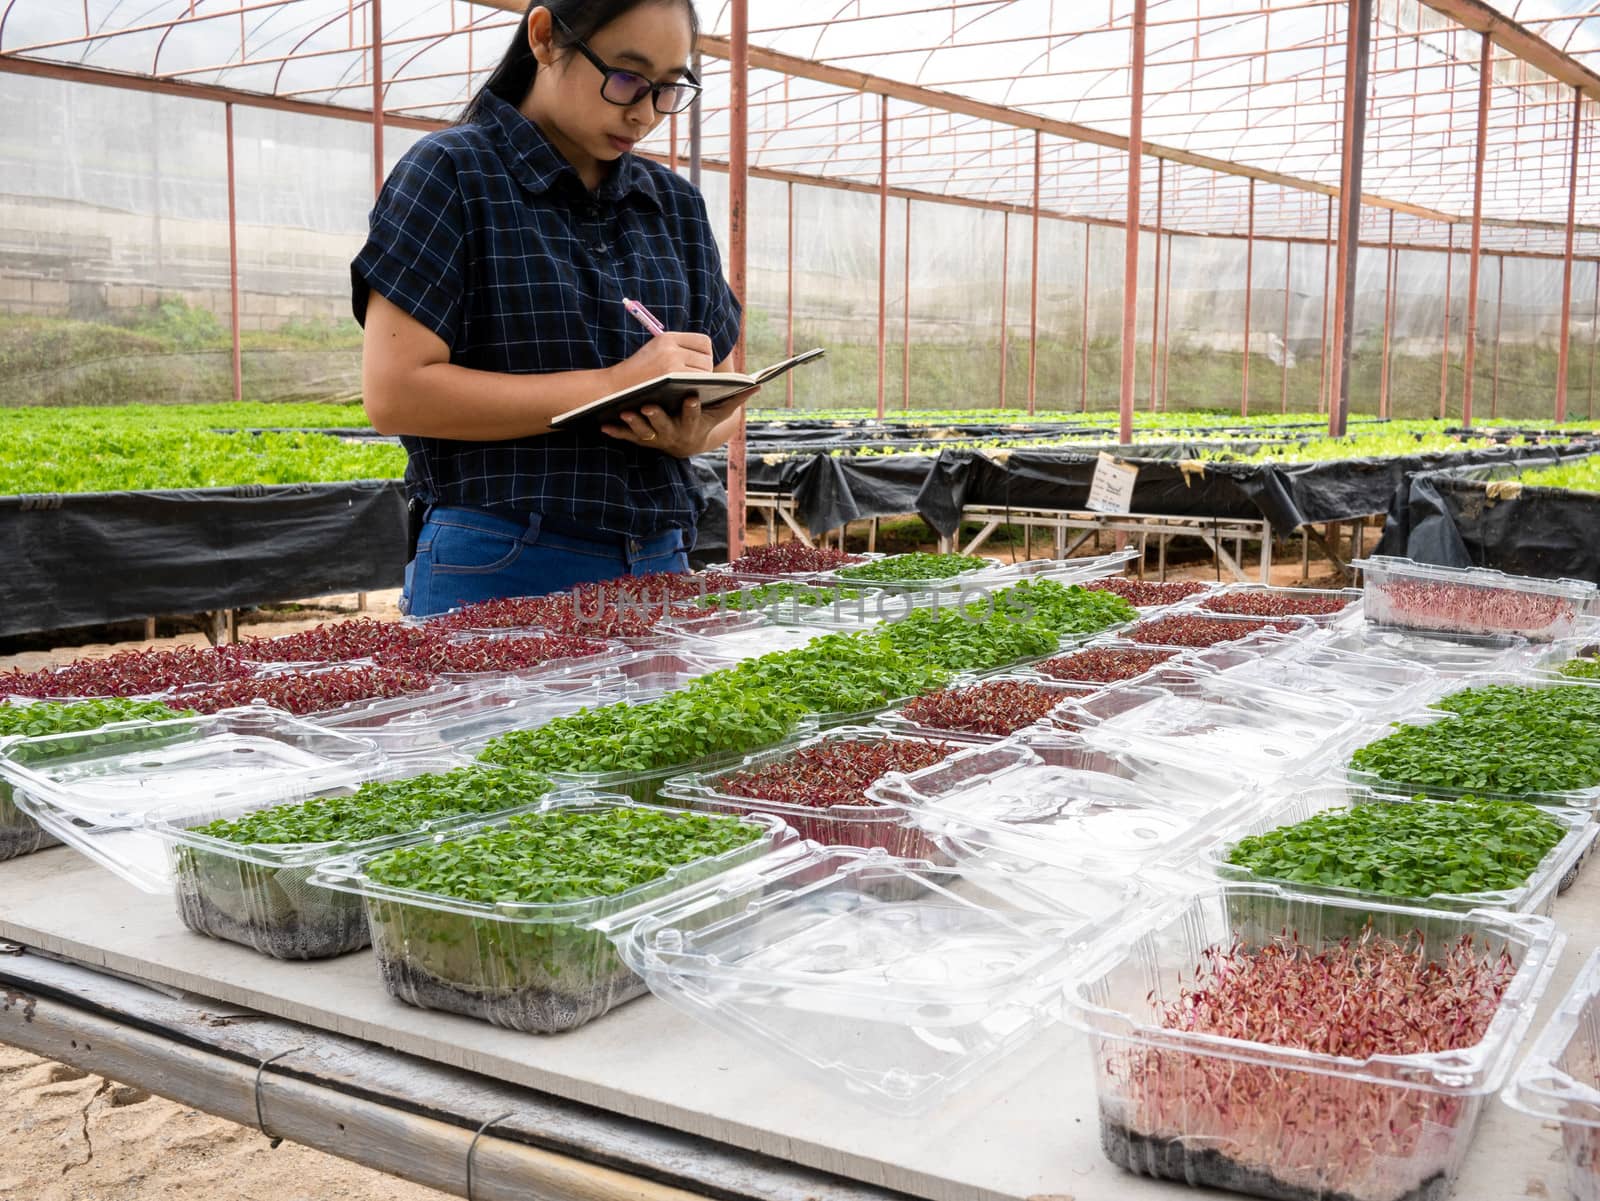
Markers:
<point>715,388</point>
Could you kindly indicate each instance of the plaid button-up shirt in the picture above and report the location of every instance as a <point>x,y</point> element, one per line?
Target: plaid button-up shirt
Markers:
<point>486,234</point>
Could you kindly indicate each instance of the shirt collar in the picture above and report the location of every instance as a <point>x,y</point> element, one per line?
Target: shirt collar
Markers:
<point>540,167</point>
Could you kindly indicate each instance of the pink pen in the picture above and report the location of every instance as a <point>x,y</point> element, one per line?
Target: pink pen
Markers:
<point>644,316</point>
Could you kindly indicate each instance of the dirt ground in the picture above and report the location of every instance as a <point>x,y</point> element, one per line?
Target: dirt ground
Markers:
<point>69,1136</point>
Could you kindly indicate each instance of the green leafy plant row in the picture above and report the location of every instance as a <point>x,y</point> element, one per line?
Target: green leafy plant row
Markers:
<point>841,673</point>
<point>549,857</point>
<point>1065,609</point>
<point>716,717</point>
<point>762,596</point>
<point>918,565</point>
<point>1407,850</point>
<point>383,808</point>
<point>957,642</point>
<point>1514,703</point>
<point>1583,475</point>
<point>1517,755</point>
<point>48,717</point>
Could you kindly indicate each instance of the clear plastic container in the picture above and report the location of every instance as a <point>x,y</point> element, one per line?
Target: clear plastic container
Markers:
<point>608,652</point>
<point>1160,606</point>
<point>1250,629</point>
<point>260,895</point>
<point>897,721</point>
<point>1404,594</point>
<point>986,576</point>
<point>1450,655</point>
<point>1277,1122</point>
<point>93,790</point>
<point>1192,718</point>
<point>1186,785</point>
<point>1068,571</point>
<point>19,833</point>
<point>1536,895</point>
<point>1576,798</point>
<point>1559,1081</point>
<point>1346,598</point>
<point>1379,687</point>
<point>868,824</point>
<point>409,726</point>
<point>643,786</point>
<point>751,642</point>
<point>1175,656</point>
<point>894,980</point>
<point>1007,799</point>
<point>653,673</point>
<point>541,967</point>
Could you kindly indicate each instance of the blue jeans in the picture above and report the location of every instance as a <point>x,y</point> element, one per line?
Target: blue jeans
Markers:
<point>466,555</point>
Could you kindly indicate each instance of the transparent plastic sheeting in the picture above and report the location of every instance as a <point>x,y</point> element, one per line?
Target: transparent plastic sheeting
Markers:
<point>115,200</point>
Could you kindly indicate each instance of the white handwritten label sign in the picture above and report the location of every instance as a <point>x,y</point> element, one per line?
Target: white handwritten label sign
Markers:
<point>1111,491</point>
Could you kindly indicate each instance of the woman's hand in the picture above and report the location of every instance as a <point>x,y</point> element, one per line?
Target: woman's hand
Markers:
<point>663,355</point>
<point>693,431</point>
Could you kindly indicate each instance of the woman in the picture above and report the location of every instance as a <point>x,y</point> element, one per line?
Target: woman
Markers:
<point>491,291</point>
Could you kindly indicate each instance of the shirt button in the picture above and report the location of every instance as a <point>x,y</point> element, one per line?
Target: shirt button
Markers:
<point>633,547</point>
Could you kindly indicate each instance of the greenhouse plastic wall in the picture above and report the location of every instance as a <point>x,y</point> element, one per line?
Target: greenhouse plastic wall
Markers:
<point>127,234</point>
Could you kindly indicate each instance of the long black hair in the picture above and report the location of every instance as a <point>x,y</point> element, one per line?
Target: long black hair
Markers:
<point>513,78</point>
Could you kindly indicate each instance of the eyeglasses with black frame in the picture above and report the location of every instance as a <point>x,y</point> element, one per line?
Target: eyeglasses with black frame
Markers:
<point>627,88</point>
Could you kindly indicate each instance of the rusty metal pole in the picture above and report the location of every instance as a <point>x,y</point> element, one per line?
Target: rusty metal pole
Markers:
<point>1563,356</point>
<point>738,243</point>
<point>883,243</point>
<point>1594,336</point>
<point>1033,287</point>
<point>233,258</point>
<point>1499,310</point>
<point>377,96</point>
<point>1444,362</point>
<point>1475,261</point>
<point>1389,257</point>
<point>1155,300</point>
<point>1005,287</point>
<point>1083,354</point>
<point>788,337</point>
<point>1358,54</point>
<point>1166,329</point>
<point>696,124</point>
<point>1288,275</point>
<point>1130,262</point>
<point>1327,279</point>
<point>905,356</point>
<point>1249,290</point>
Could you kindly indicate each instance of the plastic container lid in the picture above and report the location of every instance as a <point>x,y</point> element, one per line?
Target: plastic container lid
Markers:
<point>1366,683</point>
<point>1559,1081</point>
<point>1443,653</point>
<point>93,790</point>
<point>1195,718</point>
<point>1007,800</point>
<point>894,979</point>
<point>430,725</point>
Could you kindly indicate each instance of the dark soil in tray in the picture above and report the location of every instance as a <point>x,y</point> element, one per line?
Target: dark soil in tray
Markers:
<point>537,1008</point>
<point>22,840</point>
<point>337,930</point>
<point>1169,1159</point>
